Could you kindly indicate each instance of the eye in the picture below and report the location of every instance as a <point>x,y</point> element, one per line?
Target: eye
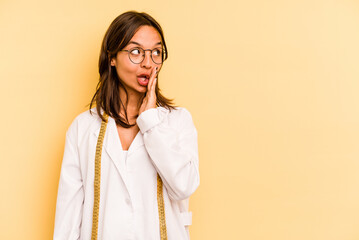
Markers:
<point>157,52</point>
<point>136,51</point>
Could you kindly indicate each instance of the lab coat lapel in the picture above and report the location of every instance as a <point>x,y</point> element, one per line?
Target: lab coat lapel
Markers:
<point>112,145</point>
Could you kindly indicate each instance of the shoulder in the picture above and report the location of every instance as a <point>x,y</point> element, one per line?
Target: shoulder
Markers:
<point>88,116</point>
<point>84,121</point>
<point>180,116</point>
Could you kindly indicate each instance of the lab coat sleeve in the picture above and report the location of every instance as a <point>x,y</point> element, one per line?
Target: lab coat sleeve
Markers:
<point>173,148</point>
<point>70,194</point>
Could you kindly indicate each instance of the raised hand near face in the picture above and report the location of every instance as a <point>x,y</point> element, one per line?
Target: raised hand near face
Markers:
<point>150,99</point>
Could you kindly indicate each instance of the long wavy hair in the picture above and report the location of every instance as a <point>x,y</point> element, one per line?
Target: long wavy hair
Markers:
<point>117,36</point>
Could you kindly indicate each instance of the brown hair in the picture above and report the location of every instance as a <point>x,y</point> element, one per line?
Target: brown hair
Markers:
<point>117,36</point>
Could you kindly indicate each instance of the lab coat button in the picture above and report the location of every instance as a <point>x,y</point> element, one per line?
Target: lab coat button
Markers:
<point>128,201</point>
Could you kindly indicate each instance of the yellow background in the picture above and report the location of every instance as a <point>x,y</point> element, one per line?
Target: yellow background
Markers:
<point>272,87</point>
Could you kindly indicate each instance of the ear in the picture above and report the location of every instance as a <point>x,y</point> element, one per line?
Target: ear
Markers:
<point>113,62</point>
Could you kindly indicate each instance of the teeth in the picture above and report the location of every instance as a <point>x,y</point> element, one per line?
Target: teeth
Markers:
<point>143,78</point>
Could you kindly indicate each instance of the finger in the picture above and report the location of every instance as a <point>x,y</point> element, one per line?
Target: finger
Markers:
<point>153,76</point>
<point>150,81</point>
<point>154,82</point>
<point>153,89</point>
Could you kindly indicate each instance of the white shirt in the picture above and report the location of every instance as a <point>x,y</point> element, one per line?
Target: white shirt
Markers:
<point>166,144</point>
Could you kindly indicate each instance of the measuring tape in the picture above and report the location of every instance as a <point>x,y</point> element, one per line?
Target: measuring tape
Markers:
<point>97,182</point>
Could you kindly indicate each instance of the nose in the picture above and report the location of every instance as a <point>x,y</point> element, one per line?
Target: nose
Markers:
<point>147,61</point>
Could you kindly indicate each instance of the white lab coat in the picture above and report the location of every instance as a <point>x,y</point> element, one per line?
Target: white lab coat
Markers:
<point>166,143</point>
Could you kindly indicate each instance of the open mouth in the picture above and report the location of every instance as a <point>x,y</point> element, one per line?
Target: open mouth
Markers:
<point>144,76</point>
<point>143,79</point>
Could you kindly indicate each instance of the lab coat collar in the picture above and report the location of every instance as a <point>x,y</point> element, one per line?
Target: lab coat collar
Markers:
<point>112,141</point>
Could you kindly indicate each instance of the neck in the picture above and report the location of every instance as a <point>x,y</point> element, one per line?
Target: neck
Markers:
<point>133,105</point>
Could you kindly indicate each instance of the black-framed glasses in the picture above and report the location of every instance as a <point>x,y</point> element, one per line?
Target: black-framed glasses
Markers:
<point>137,54</point>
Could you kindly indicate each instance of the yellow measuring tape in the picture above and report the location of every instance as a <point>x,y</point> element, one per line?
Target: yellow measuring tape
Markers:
<point>97,182</point>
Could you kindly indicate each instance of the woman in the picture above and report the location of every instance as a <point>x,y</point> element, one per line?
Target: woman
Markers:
<point>118,154</point>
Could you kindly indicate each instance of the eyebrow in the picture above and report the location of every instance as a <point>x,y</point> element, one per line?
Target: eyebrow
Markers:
<point>133,42</point>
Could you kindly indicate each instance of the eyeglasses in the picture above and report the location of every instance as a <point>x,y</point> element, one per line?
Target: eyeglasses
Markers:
<point>137,55</point>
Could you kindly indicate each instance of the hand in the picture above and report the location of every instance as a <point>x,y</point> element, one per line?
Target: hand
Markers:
<point>150,100</point>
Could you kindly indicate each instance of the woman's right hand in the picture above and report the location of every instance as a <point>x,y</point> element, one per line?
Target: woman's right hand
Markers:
<point>150,100</point>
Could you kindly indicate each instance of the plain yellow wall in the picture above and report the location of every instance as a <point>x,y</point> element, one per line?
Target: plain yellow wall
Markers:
<point>272,87</point>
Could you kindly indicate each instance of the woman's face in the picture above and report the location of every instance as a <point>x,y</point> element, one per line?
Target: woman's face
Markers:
<point>129,73</point>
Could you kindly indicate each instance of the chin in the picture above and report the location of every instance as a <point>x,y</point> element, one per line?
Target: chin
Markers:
<point>141,89</point>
